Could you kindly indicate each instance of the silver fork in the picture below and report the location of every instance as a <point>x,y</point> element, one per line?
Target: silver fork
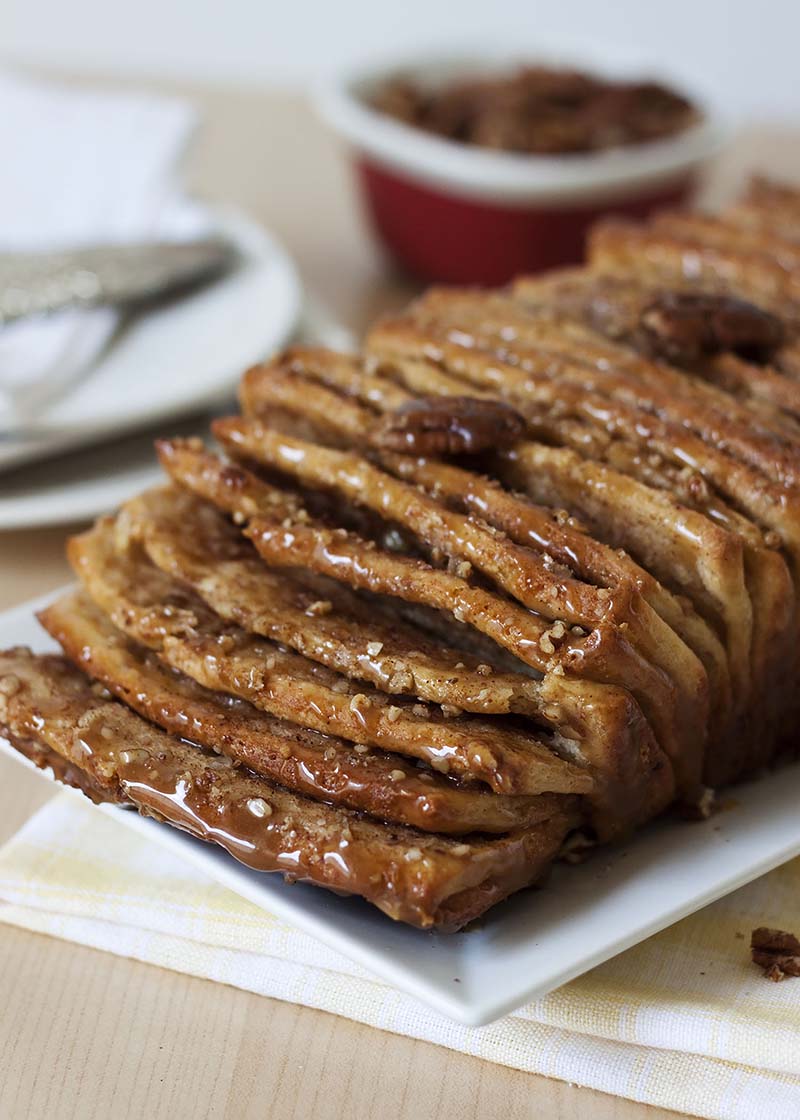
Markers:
<point>40,283</point>
<point>121,275</point>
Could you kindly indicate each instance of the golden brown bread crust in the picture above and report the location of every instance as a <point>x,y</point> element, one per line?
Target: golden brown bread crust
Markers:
<point>301,381</point>
<point>649,422</point>
<point>674,410</point>
<point>539,631</point>
<point>746,480</point>
<point>191,541</point>
<point>416,877</point>
<point>61,769</point>
<point>185,634</point>
<point>630,655</point>
<point>660,257</point>
<point>631,782</point>
<point>616,306</point>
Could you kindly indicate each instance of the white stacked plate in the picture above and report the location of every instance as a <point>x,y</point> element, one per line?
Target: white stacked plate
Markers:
<point>180,358</point>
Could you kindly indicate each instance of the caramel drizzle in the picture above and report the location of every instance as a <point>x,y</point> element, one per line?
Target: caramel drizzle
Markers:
<point>320,765</point>
<point>606,655</point>
<point>510,761</point>
<point>524,523</point>
<point>735,457</point>
<point>560,703</point>
<point>533,325</point>
<point>330,627</point>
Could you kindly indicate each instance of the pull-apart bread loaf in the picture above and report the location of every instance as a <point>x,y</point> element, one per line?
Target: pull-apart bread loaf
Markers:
<point>511,582</point>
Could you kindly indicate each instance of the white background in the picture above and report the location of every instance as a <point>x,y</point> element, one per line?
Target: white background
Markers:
<point>745,52</point>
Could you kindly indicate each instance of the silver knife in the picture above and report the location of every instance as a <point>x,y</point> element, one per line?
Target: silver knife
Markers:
<point>40,283</point>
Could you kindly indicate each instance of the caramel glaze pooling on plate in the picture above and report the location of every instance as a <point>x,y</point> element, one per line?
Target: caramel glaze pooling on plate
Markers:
<point>410,875</point>
<point>60,769</point>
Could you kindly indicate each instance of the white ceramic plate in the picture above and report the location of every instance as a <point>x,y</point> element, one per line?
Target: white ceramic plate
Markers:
<point>181,356</point>
<point>81,485</point>
<point>537,940</point>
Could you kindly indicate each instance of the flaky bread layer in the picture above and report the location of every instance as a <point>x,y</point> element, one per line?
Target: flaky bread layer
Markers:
<point>599,724</point>
<point>151,607</point>
<point>324,767</point>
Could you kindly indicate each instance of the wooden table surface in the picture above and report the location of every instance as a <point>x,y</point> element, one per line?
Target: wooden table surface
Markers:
<point>86,1035</point>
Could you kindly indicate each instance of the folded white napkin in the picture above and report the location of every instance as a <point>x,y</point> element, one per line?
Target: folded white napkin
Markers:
<point>682,1021</point>
<point>80,167</point>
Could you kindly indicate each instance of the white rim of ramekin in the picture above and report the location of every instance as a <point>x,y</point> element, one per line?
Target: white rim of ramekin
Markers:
<point>477,173</point>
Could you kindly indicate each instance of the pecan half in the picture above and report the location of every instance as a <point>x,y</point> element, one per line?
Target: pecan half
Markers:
<point>448,426</point>
<point>685,327</point>
<point>776,951</point>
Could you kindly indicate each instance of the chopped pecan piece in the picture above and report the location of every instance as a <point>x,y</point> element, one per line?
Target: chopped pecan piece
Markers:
<point>776,951</point>
<point>449,426</point>
<point>684,327</point>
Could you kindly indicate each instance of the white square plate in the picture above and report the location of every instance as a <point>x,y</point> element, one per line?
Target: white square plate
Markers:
<point>539,939</point>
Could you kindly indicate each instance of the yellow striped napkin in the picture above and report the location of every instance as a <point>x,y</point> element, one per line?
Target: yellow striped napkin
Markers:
<point>682,1021</point>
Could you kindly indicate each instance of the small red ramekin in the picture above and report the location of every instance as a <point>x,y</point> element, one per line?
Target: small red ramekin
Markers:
<point>456,213</point>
